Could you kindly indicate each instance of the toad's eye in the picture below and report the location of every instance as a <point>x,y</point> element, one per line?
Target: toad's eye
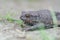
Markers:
<point>27,15</point>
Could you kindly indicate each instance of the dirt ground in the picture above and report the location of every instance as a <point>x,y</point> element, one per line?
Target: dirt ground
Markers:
<point>11,31</point>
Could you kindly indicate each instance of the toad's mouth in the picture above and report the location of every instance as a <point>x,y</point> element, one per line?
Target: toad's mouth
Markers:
<point>30,22</point>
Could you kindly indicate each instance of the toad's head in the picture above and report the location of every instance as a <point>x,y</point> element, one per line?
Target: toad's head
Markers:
<point>28,19</point>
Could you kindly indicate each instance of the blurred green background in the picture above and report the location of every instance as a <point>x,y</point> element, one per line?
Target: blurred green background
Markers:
<point>15,7</point>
